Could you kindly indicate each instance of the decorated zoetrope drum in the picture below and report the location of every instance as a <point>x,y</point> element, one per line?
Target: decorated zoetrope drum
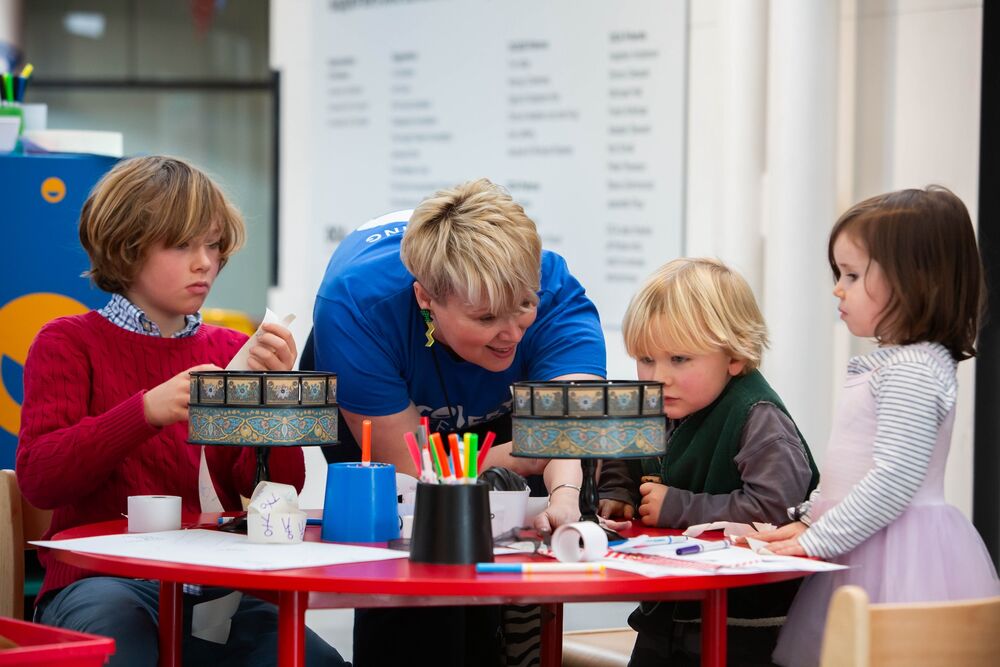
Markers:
<point>263,408</point>
<point>609,419</point>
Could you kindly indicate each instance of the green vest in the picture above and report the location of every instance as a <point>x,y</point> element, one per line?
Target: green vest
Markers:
<point>702,448</point>
<point>700,458</point>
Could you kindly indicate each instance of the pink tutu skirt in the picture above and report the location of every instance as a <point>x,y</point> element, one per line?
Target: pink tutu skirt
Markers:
<point>931,553</point>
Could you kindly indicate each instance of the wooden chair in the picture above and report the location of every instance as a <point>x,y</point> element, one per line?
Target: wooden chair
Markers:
<point>19,522</point>
<point>598,648</point>
<point>949,634</point>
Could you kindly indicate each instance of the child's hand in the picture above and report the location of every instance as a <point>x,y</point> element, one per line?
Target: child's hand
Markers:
<point>274,349</point>
<point>609,508</point>
<point>785,540</point>
<point>652,500</point>
<point>167,403</point>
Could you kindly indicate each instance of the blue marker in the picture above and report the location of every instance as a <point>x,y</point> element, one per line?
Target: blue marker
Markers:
<point>528,568</point>
<point>700,548</point>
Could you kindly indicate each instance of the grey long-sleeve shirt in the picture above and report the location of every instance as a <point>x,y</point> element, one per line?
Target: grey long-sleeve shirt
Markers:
<point>772,463</point>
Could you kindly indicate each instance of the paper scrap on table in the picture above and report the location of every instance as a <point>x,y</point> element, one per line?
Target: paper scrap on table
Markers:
<point>206,488</point>
<point>759,546</point>
<point>731,529</point>
<point>273,515</point>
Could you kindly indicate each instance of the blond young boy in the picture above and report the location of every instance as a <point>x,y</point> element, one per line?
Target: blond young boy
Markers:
<point>106,404</point>
<point>733,451</point>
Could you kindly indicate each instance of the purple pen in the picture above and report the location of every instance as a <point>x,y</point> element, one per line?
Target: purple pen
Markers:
<point>699,548</point>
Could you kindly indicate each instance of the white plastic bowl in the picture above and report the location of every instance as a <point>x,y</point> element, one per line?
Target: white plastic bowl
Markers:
<point>8,132</point>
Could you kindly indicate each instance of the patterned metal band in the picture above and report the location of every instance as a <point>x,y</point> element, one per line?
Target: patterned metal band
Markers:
<point>591,419</point>
<point>263,409</point>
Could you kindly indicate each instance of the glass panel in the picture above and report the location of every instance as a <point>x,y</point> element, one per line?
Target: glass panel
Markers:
<point>151,39</point>
<point>228,134</point>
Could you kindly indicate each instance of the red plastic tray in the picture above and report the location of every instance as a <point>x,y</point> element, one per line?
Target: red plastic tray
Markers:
<point>45,645</point>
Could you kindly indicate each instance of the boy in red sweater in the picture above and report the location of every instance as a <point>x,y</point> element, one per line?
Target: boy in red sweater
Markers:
<point>106,405</point>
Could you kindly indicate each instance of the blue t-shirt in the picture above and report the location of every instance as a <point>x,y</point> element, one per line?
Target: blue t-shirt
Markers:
<point>368,329</point>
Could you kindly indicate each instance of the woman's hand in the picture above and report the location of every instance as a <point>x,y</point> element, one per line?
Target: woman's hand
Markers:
<point>564,507</point>
<point>785,540</point>
<point>274,349</point>
<point>608,508</point>
<point>652,501</point>
<point>167,403</point>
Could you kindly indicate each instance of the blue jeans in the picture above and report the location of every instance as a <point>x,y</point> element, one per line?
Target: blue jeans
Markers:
<point>126,610</point>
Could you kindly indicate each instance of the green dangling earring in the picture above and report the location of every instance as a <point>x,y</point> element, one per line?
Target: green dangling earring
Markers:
<point>430,326</point>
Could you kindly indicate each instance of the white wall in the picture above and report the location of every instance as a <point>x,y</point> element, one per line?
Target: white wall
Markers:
<point>905,114</point>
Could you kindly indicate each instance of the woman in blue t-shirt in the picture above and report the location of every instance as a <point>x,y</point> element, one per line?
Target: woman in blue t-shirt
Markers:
<point>439,321</point>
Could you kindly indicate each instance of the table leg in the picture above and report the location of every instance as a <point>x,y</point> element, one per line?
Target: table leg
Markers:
<point>171,623</point>
<point>292,628</point>
<point>713,628</point>
<point>552,627</point>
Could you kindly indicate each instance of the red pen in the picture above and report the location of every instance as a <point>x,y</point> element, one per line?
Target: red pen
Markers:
<point>411,444</point>
<point>487,443</point>
<point>456,455</point>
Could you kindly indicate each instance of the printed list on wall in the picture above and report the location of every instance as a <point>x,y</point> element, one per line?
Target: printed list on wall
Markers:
<point>577,108</point>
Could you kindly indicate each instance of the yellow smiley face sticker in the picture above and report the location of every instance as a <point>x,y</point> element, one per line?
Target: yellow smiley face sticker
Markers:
<point>53,190</point>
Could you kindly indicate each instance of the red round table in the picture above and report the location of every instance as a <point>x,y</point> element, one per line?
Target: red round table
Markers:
<point>400,583</point>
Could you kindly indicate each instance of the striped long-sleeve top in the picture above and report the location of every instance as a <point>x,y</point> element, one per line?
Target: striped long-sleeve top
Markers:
<point>914,388</point>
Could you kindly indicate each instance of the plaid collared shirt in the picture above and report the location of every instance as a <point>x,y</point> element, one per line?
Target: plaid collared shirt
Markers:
<point>122,312</point>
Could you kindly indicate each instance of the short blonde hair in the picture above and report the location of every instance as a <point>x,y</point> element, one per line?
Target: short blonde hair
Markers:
<point>696,306</point>
<point>149,200</point>
<point>476,242</point>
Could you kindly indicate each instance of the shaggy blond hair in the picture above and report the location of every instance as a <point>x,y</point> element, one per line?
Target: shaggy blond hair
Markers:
<point>147,201</point>
<point>475,242</point>
<point>695,306</point>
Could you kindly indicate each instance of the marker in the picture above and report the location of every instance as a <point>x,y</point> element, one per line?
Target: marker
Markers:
<point>366,442</point>
<point>473,471</point>
<point>314,522</point>
<point>441,456</point>
<point>537,568</point>
<point>700,548</point>
<point>643,542</point>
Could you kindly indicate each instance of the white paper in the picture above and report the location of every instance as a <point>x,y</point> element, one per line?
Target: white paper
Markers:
<point>214,548</point>
<point>207,495</point>
<point>212,620</point>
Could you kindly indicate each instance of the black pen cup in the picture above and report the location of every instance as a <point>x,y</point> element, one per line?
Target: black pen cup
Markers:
<point>451,524</point>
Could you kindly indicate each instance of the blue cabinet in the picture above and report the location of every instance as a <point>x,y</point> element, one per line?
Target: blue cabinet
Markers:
<point>42,263</point>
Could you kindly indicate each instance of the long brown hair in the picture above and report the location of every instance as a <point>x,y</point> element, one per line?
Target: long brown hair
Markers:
<point>924,242</point>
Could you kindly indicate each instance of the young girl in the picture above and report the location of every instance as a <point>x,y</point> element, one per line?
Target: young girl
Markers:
<point>908,275</point>
<point>734,452</point>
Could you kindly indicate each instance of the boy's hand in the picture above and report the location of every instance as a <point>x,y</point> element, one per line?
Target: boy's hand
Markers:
<point>274,349</point>
<point>609,508</point>
<point>785,540</point>
<point>167,403</point>
<point>652,500</point>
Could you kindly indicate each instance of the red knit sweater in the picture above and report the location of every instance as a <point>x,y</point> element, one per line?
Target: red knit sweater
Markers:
<point>85,446</point>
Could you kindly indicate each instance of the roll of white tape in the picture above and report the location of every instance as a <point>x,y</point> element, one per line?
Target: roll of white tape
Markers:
<point>276,527</point>
<point>148,514</point>
<point>583,541</point>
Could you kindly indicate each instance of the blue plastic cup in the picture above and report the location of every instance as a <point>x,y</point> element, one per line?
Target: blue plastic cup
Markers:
<point>360,503</point>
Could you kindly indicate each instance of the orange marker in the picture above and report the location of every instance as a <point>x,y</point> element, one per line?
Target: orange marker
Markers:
<point>456,455</point>
<point>442,457</point>
<point>366,442</point>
